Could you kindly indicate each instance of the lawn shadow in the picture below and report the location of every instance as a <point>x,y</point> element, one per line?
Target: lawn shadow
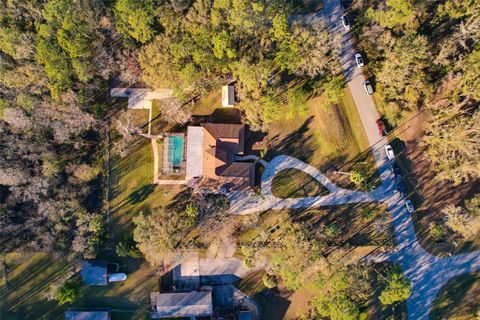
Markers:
<point>298,144</point>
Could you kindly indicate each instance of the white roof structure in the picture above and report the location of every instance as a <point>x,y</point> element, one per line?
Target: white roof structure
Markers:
<point>228,96</point>
<point>194,152</point>
<point>181,304</point>
<point>141,98</point>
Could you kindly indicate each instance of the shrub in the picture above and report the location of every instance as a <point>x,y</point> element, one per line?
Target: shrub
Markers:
<point>437,231</point>
<point>68,291</point>
<point>269,280</point>
<point>128,248</point>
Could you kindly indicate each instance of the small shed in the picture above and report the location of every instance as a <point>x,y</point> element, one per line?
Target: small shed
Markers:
<point>94,273</point>
<point>87,315</point>
<point>228,96</point>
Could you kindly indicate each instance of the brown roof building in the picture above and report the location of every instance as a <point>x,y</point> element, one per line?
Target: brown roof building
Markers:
<point>211,151</point>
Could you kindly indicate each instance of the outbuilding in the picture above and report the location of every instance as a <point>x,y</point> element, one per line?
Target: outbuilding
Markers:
<point>228,96</point>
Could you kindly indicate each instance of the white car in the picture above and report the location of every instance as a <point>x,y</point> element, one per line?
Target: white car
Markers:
<point>389,152</point>
<point>368,87</point>
<point>359,60</point>
<point>346,23</point>
<point>409,206</point>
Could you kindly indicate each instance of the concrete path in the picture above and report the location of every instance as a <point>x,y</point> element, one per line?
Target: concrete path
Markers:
<point>242,202</point>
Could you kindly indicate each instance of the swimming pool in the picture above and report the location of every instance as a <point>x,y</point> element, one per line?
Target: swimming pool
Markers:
<point>175,150</point>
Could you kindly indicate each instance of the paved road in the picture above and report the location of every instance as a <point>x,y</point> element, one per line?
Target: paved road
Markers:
<point>426,272</point>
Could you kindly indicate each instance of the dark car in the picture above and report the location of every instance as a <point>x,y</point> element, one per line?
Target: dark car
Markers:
<point>401,187</point>
<point>382,130</point>
<point>397,171</point>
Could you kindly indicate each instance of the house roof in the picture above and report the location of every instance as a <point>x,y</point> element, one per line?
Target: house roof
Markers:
<point>94,273</point>
<point>182,304</point>
<point>87,315</point>
<point>211,150</point>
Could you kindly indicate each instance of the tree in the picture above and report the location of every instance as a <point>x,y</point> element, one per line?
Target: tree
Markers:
<point>397,287</point>
<point>399,14</point>
<point>333,91</point>
<point>135,19</point>
<point>465,220</point>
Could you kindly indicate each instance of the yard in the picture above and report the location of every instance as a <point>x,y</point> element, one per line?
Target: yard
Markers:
<point>331,139</point>
<point>23,293</point>
<point>459,299</point>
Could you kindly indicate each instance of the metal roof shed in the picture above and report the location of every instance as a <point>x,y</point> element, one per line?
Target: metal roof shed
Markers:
<point>228,96</point>
<point>194,152</point>
<point>182,304</point>
<point>87,315</point>
<point>94,273</point>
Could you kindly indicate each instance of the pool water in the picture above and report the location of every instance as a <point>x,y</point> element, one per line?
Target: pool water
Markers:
<point>175,146</point>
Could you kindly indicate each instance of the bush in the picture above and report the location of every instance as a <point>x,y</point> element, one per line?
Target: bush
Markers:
<point>437,231</point>
<point>128,248</point>
<point>68,291</point>
<point>269,280</point>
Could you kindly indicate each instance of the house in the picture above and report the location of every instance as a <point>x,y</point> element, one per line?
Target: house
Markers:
<point>211,153</point>
<point>94,273</point>
<point>87,315</point>
<point>228,96</point>
<point>181,304</point>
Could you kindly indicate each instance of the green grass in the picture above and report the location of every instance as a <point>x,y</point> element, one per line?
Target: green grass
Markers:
<point>29,278</point>
<point>459,299</point>
<point>331,139</point>
<point>294,183</point>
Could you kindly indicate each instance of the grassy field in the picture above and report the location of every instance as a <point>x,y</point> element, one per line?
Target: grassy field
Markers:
<point>459,299</point>
<point>331,139</point>
<point>293,183</point>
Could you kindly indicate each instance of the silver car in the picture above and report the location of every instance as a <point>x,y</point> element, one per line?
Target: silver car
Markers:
<point>359,60</point>
<point>345,22</point>
<point>368,87</point>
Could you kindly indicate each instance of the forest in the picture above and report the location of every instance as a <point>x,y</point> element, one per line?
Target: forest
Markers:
<point>58,59</point>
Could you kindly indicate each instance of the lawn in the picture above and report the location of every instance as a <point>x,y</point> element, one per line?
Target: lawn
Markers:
<point>331,139</point>
<point>459,299</point>
<point>294,183</point>
<point>29,277</point>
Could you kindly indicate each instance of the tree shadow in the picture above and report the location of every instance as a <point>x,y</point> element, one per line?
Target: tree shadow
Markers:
<point>141,193</point>
<point>298,144</point>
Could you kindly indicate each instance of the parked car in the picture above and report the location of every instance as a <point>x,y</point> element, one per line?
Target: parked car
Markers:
<point>117,277</point>
<point>382,130</point>
<point>368,87</point>
<point>389,152</point>
<point>359,60</point>
<point>396,170</point>
<point>409,206</point>
<point>345,22</point>
<point>401,187</point>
